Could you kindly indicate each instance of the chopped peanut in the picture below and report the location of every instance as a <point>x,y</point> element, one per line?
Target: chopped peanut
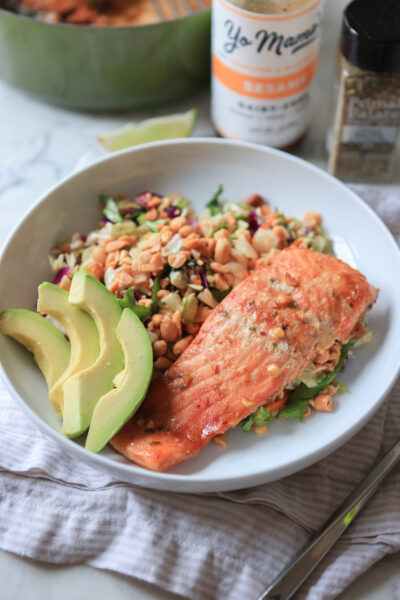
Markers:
<point>151,215</point>
<point>323,402</point>
<point>260,429</point>
<point>220,440</point>
<point>222,251</point>
<point>177,223</point>
<point>97,270</point>
<point>222,234</point>
<point>99,254</point>
<point>176,261</point>
<point>65,283</point>
<point>273,370</point>
<point>185,231</point>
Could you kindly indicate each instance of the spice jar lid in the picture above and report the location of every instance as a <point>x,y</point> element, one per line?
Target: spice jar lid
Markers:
<point>371,34</point>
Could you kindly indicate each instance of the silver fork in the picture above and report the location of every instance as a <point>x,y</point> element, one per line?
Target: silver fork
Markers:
<point>304,563</point>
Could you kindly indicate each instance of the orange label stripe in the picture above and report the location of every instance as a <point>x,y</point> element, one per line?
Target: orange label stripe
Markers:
<point>264,88</point>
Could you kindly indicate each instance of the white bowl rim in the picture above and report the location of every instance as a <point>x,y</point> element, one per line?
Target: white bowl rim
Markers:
<point>198,484</point>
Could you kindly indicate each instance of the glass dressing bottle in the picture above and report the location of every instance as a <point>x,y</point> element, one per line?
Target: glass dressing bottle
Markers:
<point>264,60</point>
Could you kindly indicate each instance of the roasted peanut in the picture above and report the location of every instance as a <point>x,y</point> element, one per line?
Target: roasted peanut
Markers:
<point>176,261</point>
<point>185,231</point>
<point>97,270</point>
<point>166,236</point>
<point>160,347</point>
<point>181,345</point>
<point>168,329</point>
<point>177,223</point>
<point>99,254</point>
<point>222,234</point>
<point>162,363</point>
<point>222,251</point>
<point>151,215</point>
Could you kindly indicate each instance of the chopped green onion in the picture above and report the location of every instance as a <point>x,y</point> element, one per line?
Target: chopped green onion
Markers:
<point>213,205</point>
<point>110,209</point>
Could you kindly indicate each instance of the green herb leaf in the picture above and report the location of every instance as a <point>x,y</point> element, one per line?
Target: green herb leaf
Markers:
<point>246,424</point>
<point>258,418</point>
<point>261,416</point>
<point>218,229</point>
<point>341,387</point>
<point>305,393</point>
<point>213,205</point>
<point>191,263</point>
<point>154,299</point>
<point>294,409</point>
<point>219,295</point>
<point>110,209</point>
<point>128,301</point>
<point>282,217</point>
<point>180,203</point>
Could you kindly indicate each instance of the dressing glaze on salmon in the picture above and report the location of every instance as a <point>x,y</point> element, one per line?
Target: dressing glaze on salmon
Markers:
<point>240,360</point>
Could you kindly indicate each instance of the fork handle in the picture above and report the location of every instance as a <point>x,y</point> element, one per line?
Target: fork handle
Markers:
<point>304,563</point>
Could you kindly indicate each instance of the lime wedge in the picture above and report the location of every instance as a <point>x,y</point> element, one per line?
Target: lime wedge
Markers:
<point>151,130</point>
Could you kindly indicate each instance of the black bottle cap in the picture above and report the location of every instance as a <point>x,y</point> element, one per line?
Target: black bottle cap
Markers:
<point>371,34</point>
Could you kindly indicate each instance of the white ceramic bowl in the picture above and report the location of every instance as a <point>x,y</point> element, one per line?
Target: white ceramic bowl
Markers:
<point>194,168</point>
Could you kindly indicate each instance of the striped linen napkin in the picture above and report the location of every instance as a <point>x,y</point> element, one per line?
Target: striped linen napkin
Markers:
<point>59,510</point>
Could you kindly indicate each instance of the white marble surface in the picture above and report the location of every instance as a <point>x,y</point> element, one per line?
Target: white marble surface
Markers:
<point>40,144</point>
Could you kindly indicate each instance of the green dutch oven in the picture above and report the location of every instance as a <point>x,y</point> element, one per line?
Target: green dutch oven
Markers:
<point>106,67</point>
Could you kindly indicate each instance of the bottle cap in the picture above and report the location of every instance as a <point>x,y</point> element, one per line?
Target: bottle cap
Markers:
<point>371,34</point>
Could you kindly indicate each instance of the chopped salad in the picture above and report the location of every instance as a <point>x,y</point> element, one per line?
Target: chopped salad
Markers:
<point>172,267</point>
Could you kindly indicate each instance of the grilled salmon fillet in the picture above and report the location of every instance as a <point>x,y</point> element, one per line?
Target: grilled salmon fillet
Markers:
<point>254,343</point>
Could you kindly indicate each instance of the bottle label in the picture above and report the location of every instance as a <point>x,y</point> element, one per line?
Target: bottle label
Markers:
<point>262,69</point>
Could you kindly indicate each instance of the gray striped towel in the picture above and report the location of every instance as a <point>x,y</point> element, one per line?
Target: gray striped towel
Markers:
<point>225,546</point>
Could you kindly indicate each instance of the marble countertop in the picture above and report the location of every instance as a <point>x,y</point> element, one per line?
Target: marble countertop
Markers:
<point>39,145</point>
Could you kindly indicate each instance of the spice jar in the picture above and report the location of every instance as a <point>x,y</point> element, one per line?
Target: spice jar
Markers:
<point>367,118</point>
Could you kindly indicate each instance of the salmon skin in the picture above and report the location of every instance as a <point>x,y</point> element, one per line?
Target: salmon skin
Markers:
<point>254,344</point>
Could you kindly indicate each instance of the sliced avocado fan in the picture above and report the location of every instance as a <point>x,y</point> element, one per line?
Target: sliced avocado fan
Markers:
<point>80,328</point>
<point>83,390</point>
<point>41,337</point>
<point>116,407</point>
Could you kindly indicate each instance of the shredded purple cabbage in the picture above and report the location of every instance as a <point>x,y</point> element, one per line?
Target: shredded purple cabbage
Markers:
<point>60,275</point>
<point>146,321</point>
<point>137,296</point>
<point>173,211</point>
<point>104,220</point>
<point>308,229</point>
<point>141,198</point>
<point>84,238</point>
<point>254,221</point>
<point>203,275</point>
<point>44,315</point>
<point>193,223</point>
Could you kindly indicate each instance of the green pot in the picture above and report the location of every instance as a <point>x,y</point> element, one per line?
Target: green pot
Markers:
<point>105,67</point>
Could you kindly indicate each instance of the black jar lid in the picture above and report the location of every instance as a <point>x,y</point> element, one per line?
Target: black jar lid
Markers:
<point>371,34</point>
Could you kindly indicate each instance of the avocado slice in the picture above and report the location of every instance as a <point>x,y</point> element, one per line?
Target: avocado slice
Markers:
<point>41,337</point>
<point>114,409</point>
<point>80,328</point>
<point>83,390</point>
